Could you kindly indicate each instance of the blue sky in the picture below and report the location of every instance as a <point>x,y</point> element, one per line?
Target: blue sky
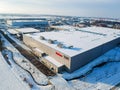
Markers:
<point>96,8</point>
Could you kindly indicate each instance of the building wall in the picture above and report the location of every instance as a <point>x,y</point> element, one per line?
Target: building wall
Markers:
<point>110,45</point>
<point>48,50</point>
<point>84,58</point>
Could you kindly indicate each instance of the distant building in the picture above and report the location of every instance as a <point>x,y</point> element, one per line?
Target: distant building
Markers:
<point>38,24</point>
<point>73,48</point>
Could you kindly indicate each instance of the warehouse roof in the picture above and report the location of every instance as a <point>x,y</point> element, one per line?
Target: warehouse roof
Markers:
<point>22,30</point>
<point>77,40</point>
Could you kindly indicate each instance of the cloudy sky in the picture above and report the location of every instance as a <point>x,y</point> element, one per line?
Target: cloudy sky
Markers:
<point>96,8</point>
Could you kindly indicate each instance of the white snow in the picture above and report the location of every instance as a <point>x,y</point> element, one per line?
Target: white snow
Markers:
<point>60,83</point>
<point>82,39</point>
<point>8,81</point>
<point>39,77</point>
<point>102,78</point>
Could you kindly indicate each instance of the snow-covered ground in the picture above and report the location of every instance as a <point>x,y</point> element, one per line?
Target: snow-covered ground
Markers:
<point>60,83</point>
<point>8,81</point>
<point>103,78</point>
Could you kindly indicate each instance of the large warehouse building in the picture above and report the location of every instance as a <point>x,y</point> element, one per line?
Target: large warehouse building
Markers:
<point>71,49</point>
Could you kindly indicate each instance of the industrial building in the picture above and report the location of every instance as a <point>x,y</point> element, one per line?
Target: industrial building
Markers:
<point>38,24</point>
<point>72,48</point>
<point>22,30</point>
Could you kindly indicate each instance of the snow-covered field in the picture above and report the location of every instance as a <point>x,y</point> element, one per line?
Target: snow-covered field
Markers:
<point>8,81</point>
<point>102,78</point>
